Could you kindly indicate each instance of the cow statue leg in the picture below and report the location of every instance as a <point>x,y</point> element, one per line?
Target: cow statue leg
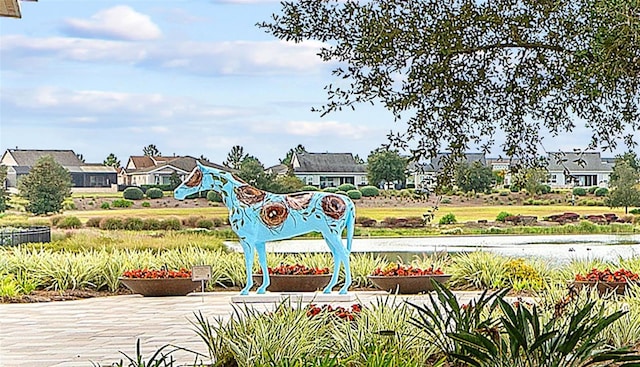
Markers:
<point>340,256</point>
<point>262,260</point>
<point>247,248</point>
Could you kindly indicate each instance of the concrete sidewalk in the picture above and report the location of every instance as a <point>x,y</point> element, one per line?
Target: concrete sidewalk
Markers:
<point>96,330</point>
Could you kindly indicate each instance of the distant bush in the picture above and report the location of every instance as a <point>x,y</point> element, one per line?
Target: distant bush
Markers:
<point>453,231</point>
<point>146,204</point>
<point>218,222</point>
<point>191,221</point>
<point>105,205</point>
<point>330,189</point>
<point>111,223</point>
<point>154,193</point>
<point>93,222</point>
<point>309,188</point>
<point>133,224</point>
<point>592,189</point>
<point>448,218</point>
<point>445,201</point>
<point>579,191</point>
<point>56,219</point>
<point>171,224</point>
<point>347,187</point>
<point>502,215</point>
<point>150,224</point>
<point>214,196</point>
<point>69,222</point>
<point>204,223</point>
<point>370,191</point>
<point>635,211</point>
<point>121,203</point>
<point>601,191</point>
<point>544,189</point>
<point>504,193</point>
<point>514,188</point>
<point>354,194</point>
<point>133,193</point>
<point>146,188</point>
<point>341,193</point>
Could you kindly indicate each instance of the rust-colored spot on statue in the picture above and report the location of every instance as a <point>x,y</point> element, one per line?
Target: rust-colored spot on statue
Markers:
<point>249,195</point>
<point>333,206</point>
<point>299,201</point>
<point>274,214</point>
<point>195,179</point>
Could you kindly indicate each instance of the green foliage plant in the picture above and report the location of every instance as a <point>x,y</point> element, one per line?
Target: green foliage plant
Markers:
<point>579,191</point>
<point>478,270</point>
<point>309,188</point>
<point>330,189</point>
<point>121,203</point>
<point>370,191</point>
<point>502,215</point>
<point>354,194</point>
<point>45,187</point>
<point>146,204</point>
<point>105,205</point>
<point>347,187</point>
<point>154,193</point>
<point>173,224</point>
<point>601,192</point>
<point>133,193</point>
<point>111,223</point>
<point>214,197</point>
<point>133,224</point>
<point>93,222</point>
<point>69,222</point>
<point>151,224</point>
<point>448,218</point>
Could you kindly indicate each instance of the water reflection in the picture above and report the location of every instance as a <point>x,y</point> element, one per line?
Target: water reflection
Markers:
<point>556,248</point>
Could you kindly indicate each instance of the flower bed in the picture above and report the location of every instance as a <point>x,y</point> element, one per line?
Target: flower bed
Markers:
<point>162,282</point>
<point>606,281</point>
<point>407,279</point>
<point>295,278</point>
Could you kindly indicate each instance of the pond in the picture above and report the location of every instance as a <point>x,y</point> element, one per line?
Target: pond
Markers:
<point>556,248</point>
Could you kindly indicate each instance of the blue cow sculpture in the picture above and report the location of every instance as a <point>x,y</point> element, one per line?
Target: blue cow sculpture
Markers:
<point>258,216</point>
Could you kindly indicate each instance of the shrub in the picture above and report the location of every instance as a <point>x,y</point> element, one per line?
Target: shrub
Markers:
<point>205,223</point>
<point>133,224</point>
<point>544,189</point>
<point>154,193</point>
<point>504,193</point>
<point>579,191</point>
<point>150,224</point>
<point>133,193</point>
<point>105,205</point>
<point>309,188</point>
<point>191,221</point>
<point>69,222</point>
<point>354,194</point>
<point>346,187</point>
<point>214,196</point>
<point>601,191</point>
<point>445,201</point>
<point>171,224</point>
<point>330,189</point>
<point>111,223</point>
<point>56,219</point>
<point>448,218</point>
<point>341,193</point>
<point>93,222</point>
<point>592,189</point>
<point>69,205</point>
<point>514,188</point>
<point>146,188</point>
<point>502,215</point>
<point>634,211</point>
<point>121,203</point>
<point>218,222</point>
<point>370,191</point>
<point>146,204</point>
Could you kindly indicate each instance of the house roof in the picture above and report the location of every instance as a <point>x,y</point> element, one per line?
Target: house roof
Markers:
<point>29,157</point>
<point>145,164</point>
<point>326,162</point>
<point>280,169</point>
<point>437,163</point>
<point>577,162</point>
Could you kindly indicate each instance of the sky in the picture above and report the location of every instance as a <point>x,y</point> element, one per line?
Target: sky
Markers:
<point>192,77</point>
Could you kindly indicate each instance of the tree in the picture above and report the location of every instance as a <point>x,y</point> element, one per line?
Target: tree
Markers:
<point>632,160</point>
<point>46,186</point>
<point>235,157</point>
<point>473,177</point>
<point>532,180</point>
<point>285,184</point>
<point>151,151</point>
<point>3,191</point>
<point>174,180</point>
<point>112,161</point>
<point>385,166</point>
<point>252,171</point>
<point>471,70</point>
<point>624,188</point>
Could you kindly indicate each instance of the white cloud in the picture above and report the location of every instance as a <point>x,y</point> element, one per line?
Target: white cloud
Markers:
<point>120,23</point>
<point>316,129</point>
<point>229,57</point>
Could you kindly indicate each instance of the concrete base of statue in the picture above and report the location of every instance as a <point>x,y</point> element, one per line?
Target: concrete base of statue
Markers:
<point>276,297</point>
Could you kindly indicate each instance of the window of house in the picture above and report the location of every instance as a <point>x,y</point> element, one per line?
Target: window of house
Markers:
<point>326,182</point>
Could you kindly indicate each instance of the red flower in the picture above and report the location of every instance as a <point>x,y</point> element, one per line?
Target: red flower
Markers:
<point>297,269</point>
<point>405,270</point>
<point>606,275</point>
<point>157,274</point>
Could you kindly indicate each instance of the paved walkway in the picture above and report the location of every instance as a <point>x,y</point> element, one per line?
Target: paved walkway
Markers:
<point>94,331</point>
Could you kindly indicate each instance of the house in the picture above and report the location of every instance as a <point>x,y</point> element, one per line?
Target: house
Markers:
<point>583,169</point>
<point>157,170</point>
<point>85,177</point>
<point>423,175</point>
<point>328,169</point>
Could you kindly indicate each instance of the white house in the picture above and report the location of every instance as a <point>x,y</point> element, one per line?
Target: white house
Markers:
<point>328,169</point>
<point>586,169</point>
